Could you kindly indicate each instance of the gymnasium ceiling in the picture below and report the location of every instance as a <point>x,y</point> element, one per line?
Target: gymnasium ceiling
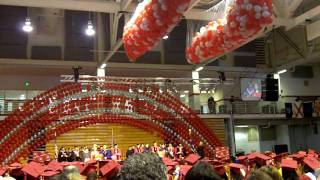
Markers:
<point>59,37</point>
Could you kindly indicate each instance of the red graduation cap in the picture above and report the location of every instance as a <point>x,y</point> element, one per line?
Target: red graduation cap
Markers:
<point>109,168</point>
<point>241,158</point>
<point>169,162</point>
<point>3,170</point>
<point>184,169</point>
<point>297,156</point>
<point>87,169</point>
<point>54,165</point>
<point>289,163</point>
<point>251,156</point>
<point>34,169</point>
<point>91,162</point>
<point>262,157</point>
<point>312,162</point>
<point>192,158</point>
<point>302,153</point>
<point>15,166</point>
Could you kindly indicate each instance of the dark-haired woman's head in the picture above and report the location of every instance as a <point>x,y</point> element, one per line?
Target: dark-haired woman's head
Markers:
<point>202,171</point>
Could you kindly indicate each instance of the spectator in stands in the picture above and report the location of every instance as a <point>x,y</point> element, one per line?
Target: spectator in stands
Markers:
<point>144,166</point>
<point>202,171</point>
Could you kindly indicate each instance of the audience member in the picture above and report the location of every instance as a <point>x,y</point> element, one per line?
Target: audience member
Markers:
<point>202,171</point>
<point>143,166</point>
<point>71,173</point>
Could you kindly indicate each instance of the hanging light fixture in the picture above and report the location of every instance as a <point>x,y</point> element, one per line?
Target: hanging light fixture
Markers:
<point>27,27</point>
<point>90,30</point>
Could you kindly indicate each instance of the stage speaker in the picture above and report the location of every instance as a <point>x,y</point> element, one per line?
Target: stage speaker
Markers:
<point>270,89</point>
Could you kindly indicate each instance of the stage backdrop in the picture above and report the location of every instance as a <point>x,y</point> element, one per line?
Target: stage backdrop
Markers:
<point>101,134</point>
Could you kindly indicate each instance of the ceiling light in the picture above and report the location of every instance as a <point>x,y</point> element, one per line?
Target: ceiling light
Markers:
<point>103,65</point>
<point>90,30</point>
<point>182,95</point>
<point>186,92</point>
<point>203,92</point>
<point>242,126</point>
<point>199,68</point>
<point>27,27</point>
<point>282,71</point>
<point>165,37</point>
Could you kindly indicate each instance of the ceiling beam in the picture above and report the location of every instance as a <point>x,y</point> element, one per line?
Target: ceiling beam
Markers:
<point>192,4</point>
<point>67,64</point>
<point>92,5</point>
<point>293,6</point>
<point>305,16</point>
<point>114,49</point>
<point>313,58</point>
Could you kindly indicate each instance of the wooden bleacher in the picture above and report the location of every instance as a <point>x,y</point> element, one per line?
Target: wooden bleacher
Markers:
<point>218,128</point>
<point>101,134</point>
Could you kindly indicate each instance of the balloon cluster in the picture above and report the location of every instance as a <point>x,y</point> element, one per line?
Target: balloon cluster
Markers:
<point>152,20</point>
<point>244,20</point>
<point>72,105</point>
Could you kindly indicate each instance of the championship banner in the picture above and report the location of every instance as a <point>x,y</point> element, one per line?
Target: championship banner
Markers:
<point>297,108</point>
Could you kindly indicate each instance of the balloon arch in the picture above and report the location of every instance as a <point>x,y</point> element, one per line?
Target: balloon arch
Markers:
<point>71,105</point>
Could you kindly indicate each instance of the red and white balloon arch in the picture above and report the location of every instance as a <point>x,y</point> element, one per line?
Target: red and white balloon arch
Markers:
<point>71,105</point>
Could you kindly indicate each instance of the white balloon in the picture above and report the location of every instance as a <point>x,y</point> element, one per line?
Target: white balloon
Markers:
<point>266,14</point>
<point>202,29</point>
<point>257,8</point>
<point>243,18</point>
<point>249,7</point>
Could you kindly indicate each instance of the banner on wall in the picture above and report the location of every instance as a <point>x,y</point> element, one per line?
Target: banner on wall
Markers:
<point>300,110</point>
<point>297,109</point>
